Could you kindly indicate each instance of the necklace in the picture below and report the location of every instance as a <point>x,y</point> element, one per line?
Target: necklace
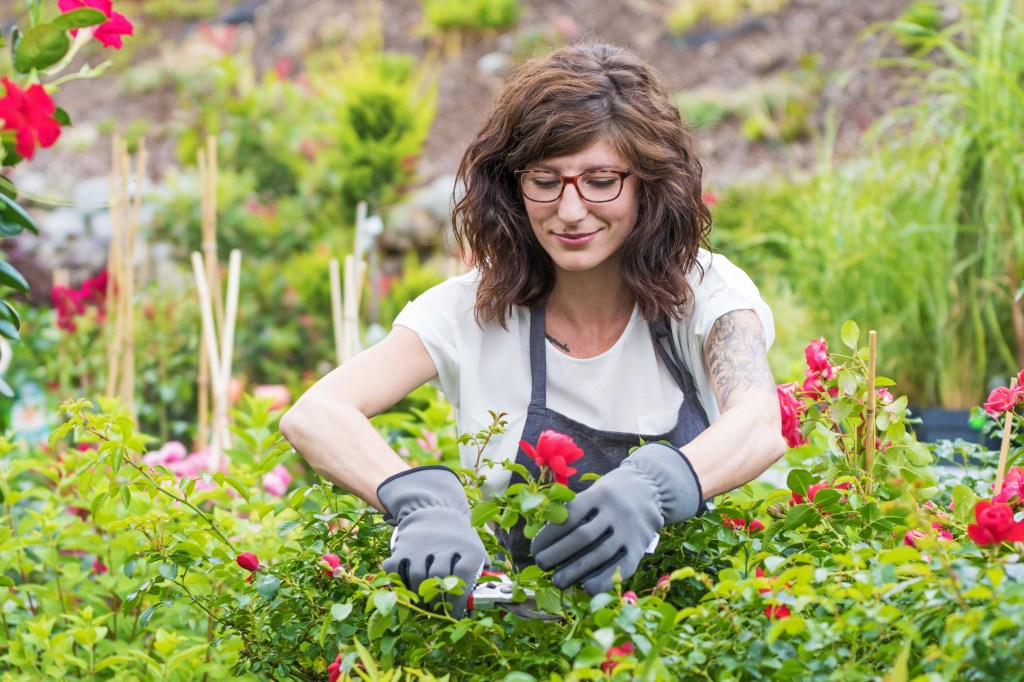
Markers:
<point>558,344</point>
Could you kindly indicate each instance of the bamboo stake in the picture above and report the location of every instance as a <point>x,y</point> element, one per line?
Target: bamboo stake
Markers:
<point>1004,449</point>
<point>339,341</point>
<point>128,378</point>
<point>114,267</point>
<point>210,339</point>
<point>227,341</point>
<point>869,425</point>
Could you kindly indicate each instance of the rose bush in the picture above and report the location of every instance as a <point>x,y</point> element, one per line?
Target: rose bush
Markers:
<point>813,581</point>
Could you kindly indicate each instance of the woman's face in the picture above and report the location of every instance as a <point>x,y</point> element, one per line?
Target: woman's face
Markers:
<point>580,235</point>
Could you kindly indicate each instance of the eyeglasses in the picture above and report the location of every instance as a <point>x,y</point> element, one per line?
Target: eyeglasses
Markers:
<point>597,186</point>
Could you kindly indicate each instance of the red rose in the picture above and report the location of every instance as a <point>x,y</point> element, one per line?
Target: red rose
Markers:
<point>1003,399</point>
<point>912,536</point>
<point>1013,487</point>
<point>995,524</point>
<point>772,610</point>
<point>755,526</point>
<point>334,670</point>
<point>816,354</point>
<point>733,523</point>
<point>555,451</point>
<point>30,113</point>
<point>109,32</point>
<point>790,408</point>
<point>248,561</point>
<point>611,658</point>
<point>332,562</point>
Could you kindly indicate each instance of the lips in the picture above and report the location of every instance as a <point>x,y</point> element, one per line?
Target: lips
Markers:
<point>575,238</point>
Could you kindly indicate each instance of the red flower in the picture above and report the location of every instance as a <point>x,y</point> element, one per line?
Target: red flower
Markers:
<point>995,524</point>
<point>796,499</point>
<point>755,526</point>
<point>816,354</point>
<point>30,113</point>
<point>332,561</point>
<point>334,670</point>
<point>791,409</point>
<point>555,451</point>
<point>733,523</point>
<point>1013,487</point>
<point>98,567</point>
<point>614,654</point>
<point>248,561</point>
<point>1004,399</point>
<point>912,536</point>
<point>772,610</point>
<point>109,32</point>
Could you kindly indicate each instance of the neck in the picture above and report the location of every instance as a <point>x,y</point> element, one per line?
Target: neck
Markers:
<point>588,311</point>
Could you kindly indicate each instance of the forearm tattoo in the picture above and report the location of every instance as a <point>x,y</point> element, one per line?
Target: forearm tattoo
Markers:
<point>735,355</point>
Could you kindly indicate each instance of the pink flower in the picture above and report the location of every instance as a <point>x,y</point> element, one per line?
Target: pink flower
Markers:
<point>109,32</point>
<point>1013,488</point>
<point>812,385</point>
<point>755,526</point>
<point>98,567</point>
<point>663,584</point>
<point>816,354</point>
<point>248,561</point>
<point>1003,399</point>
<point>791,409</point>
<point>629,597</point>
<point>912,536</point>
<point>614,654</point>
<point>330,562</point>
<point>995,524</point>
<point>276,481</point>
<point>279,395</point>
<point>942,534</point>
<point>555,452</point>
<point>334,670</point>
<point>30,113</point>
<point>884,396</point>
<point>709,198</point>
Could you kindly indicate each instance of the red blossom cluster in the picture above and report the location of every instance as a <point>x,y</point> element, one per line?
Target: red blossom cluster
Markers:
<point>72,303</point>
<point>755,525</point>
<point>1013,489</point>
<point>994,524</point>
<point>614,655</point>
<point>1003,399</point>
<point>772,610</point>
<point>791,408</point>
<point>108,33</point>
<point>814,489</point>
<point>554,452</point>
<point>30,113</point>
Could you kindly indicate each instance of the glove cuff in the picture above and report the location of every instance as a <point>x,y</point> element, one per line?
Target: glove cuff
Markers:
<point>680,495</point>
<point>421,488</point>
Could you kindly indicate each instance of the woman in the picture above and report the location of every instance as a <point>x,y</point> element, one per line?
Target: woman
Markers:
<point>592,311</point>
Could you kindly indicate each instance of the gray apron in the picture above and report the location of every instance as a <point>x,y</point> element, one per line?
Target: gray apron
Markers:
<point>603,450</point>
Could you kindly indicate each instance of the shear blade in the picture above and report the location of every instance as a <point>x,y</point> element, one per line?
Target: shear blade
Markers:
<point>524,611</point>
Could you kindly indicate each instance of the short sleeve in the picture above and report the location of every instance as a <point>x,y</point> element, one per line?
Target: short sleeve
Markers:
<point>722,289</point>
<point>438,316</point>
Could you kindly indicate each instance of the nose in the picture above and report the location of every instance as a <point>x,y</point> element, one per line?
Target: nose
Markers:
<point>571,207</point>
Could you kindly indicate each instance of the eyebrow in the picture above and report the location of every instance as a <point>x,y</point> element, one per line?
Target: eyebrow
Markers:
<point>589,169</point>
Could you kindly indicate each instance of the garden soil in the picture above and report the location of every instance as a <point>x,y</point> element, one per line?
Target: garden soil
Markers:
<point>744,57</point>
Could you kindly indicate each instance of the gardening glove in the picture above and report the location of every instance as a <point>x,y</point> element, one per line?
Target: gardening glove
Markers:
<point>433,538</point>
<point>612,522</point>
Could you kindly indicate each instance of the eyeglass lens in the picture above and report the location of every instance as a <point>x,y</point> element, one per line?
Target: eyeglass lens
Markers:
<point>597,186</point>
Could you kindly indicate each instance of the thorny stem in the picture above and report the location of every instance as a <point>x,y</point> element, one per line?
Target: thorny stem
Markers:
<point>198,603</point>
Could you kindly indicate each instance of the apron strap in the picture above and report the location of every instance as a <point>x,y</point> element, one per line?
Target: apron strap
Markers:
<point>538,359</point>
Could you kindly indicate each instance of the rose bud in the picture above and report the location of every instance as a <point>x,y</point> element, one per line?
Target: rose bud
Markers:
<point>248,561</point>
<point>330,562</point>
<point>629,597</point>
<point>755,526</point>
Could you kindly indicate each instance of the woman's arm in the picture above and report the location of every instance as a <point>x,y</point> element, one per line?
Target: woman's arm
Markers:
<point>747,438</point>
<point>329,425</point>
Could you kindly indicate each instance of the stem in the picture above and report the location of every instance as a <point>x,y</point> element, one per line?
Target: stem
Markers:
<point>60,589</point>
<point>7,631</point>
<point>198,603</point>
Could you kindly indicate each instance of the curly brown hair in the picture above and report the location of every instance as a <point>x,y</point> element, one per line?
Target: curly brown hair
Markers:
<point>561,104</point>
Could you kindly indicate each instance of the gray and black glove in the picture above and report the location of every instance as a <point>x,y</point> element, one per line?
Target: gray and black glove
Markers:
<point>433,538</point>
<point>611,523</point>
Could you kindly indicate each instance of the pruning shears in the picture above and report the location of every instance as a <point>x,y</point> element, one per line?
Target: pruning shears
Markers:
<point>495,590</point>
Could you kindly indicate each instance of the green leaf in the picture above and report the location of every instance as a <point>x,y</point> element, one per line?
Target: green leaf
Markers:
<point>9,331</point>
<point>918,454</point>
<point>850,334</point>
<point>963,503</point>
<point>548,600</point>
<point>556,513</point>
<point>41,47</point>
<point>126,496</point>
<point>5,389</point>
<point>9,314</point>
<point>6,581</point>
<point>82,17</point>
<point>267,585</point>
<point>799,481</point>
<point>13,215</point>
<point>801,515</point>
<point>168,570</point>
<point>341,611</point>
<point>385,602</point>
<point>484,512</point>
<point>62,117</point>
<point>12,278</point>
<point>529,501</point>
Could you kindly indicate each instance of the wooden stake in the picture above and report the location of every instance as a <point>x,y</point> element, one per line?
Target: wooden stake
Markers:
<point>128,379</point>
<point>210,342</point>
<point>114,267</point>
<point>227,342</point>
<point>339,340</point>
<point>869,425</point>
<point>1004,449</point>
